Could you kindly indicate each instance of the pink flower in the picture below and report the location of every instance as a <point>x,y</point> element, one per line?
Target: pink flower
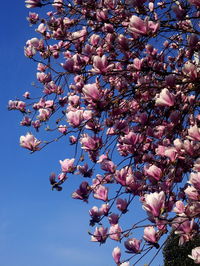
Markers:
<point>125,264</point>
<point>190,70</point>
<point>104,208</point>
<point>75,117</point>
<point>115,232</point>
<point>109,166</point>
<point>133,245</point>
<point>92,92</point>
<point>120,175</point>
<point>62,129</point>
<point>94,39</point>
<point>74,100</point>
<point>195,251</point>
<point>44,114</point>
<point>194,133</point>
<point>43,77</point>
<point>101,193</point>
<point>183,225</point>
<point>122,205</point>
<point>29,142</point>
<point>100,234</point>
<point>138,26</point>
<point>154,172</point>
<point>100,65</point>
<point>33,18</point>
<point>179,207</point>
<point>197,165</point>
<point>82,192</point>
<point>95,213</point>
<point>195,180</point>
<point>150,234</point>
<point>171,153</point>
<point>116,255</point>
<point>192,193</point>
<point>90,143</point>
<point>33,3</point>
<point>165,98</point>
<point>154,203</point>
<point>67,165</point>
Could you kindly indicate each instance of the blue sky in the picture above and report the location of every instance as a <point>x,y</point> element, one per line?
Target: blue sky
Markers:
<point>37,226</point>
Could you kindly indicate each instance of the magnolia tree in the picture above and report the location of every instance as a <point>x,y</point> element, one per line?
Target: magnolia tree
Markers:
<point>120,80</point>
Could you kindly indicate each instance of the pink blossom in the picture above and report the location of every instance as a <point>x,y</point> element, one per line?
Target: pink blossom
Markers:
<point>183,225</point>
<point>109,166</point>
<point>131,138</point>
<point>75,117</point>
<point>95,213</point>
<point>116,255</point>
<point>41,28</point>
<point>125,264</point>
<point>192,193</point>
<point>44,114</point>
<point>67,165</point>
<point>94,39</point>
<point>190,70</point>
<point>33,18</point>
<point>92,92</point>
<point>165,98</point>
<point>100,234</point>
<point>43,77</point>
<point>154,203</point>
<point>154,172</point>
<point>84,170</point>
<point>171,153</point>
<point>197,165</point>
<point>17,105</point>
<point>178,144</point>
<point>26,121</point>
<point>195,180</point>
<point>122,205</point>
<point>179,207</point>
<point>113,218</point>
<point>105,208</point>
<point>100,65</point>
<point>115,232</point>
<point>194,133</point>
<point>62,177</point>
<point>120,176</point>
<point>82,192</point>
<point>62,129</point>
<point>142,27</point>
<point>101,193</point>
<point>74,100</point>
<point>29,142</point>
<point>195,251</point>
<point>26,95</point>
<point>133,245</point>
<point>72,139</point>
<point>33,3</point>
<point>150,234</point>
<point>90,143</point>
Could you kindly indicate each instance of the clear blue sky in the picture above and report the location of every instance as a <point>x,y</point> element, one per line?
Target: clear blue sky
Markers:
<point>37,226</point>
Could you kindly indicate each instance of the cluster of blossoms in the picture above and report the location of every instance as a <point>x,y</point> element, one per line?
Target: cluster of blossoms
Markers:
<point>125,91</point>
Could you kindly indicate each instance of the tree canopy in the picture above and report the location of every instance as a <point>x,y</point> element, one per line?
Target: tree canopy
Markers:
<point>119,79</point>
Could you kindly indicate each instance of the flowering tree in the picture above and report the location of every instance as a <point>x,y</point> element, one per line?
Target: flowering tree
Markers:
<point>120,80</point>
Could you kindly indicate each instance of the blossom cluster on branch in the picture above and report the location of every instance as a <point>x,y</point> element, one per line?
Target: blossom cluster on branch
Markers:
<point>120,80</point>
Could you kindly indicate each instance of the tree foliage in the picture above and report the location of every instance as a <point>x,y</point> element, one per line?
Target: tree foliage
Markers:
<point>120,80</point>
<point>175,255</point>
